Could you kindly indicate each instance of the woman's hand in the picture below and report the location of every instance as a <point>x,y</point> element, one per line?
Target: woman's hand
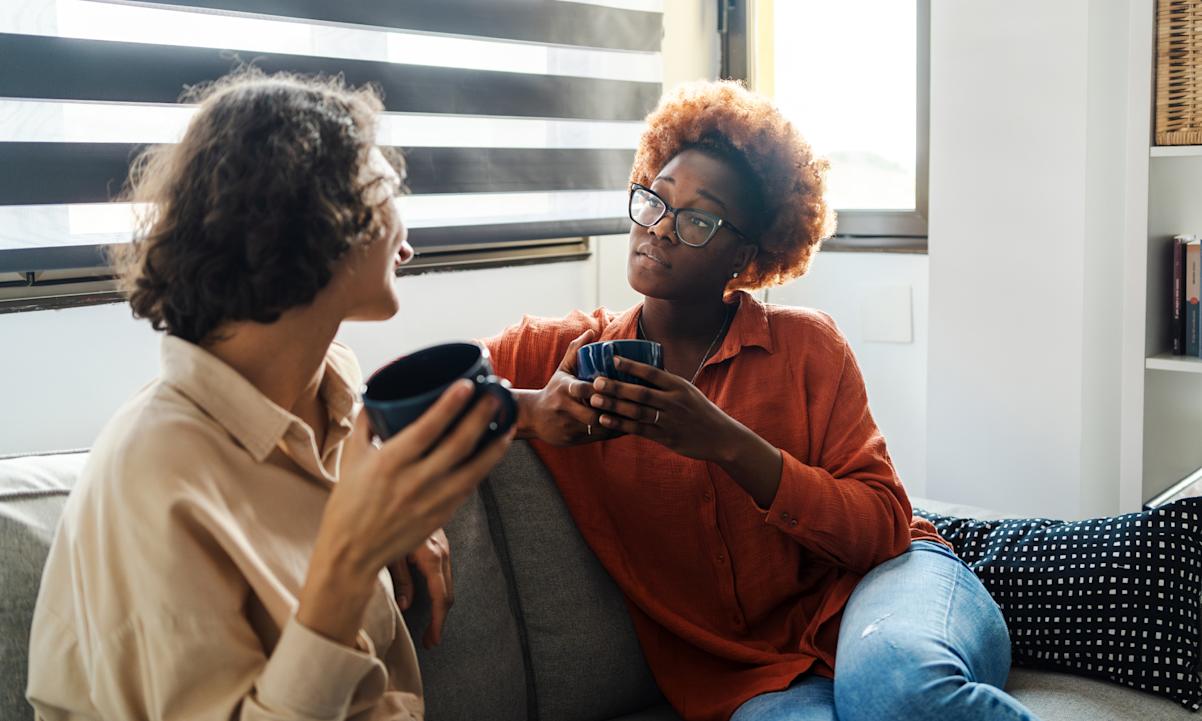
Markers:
<point>433,560</point>
<point>673,413</point>
<point>679,417</point>
<point>388,501</point>
<point>559,413</point>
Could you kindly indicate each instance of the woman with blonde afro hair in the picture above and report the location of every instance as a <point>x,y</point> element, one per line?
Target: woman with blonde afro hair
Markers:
<point>739,492</point>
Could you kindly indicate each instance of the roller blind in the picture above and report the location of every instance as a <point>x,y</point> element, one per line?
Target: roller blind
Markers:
<point>519,118</point>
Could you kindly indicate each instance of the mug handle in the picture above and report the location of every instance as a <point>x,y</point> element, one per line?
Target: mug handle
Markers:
<point>507,412</point>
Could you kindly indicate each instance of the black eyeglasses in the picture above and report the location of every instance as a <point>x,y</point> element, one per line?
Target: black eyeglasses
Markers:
<point>693,227</point>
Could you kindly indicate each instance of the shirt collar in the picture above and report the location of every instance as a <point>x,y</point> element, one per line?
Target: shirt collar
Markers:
<point>749,328</point>
<point>254,420</point>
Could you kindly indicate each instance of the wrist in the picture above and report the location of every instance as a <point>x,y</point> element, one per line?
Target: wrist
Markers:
<point>740,445</point>
<point>526,400</point>
<point>753,463</point>
<point>334,598</point>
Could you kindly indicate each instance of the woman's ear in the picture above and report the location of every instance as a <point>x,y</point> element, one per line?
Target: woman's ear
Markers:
<point>745,255</point>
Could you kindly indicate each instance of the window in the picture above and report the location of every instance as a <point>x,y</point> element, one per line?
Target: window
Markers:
<point>854,79</point>
<point>519,120</point>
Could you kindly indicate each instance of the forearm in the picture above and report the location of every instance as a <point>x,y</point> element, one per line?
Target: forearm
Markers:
<point>753,463</point>
<point>854,520</point>
<point>335,595</point>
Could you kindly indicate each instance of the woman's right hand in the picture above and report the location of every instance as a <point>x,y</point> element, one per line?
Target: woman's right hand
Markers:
<point>559,414</point>
<point>388,501</point>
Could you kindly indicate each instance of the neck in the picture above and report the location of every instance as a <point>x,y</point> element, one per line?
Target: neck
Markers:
<point>689,322</point>
<point>285,359</point>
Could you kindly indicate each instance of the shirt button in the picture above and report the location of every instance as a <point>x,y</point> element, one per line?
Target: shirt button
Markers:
<point>707,496</point>
<point>721,558</point>
<point>793,523</point>
<point>784,516</point>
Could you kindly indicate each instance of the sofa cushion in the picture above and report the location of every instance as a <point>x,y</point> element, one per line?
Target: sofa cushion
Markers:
<point>1061,697</point>
<point>32,493</point>
<point>586,659</point>
<point>478,671</point>
<point>1117,598</point>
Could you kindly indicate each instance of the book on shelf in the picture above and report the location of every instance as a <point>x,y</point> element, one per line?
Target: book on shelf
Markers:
<point>1191,292</point>
<point>1178,262</point>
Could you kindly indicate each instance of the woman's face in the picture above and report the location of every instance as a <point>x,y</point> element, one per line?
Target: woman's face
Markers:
<point>367,273</point>
<point>659,265</point>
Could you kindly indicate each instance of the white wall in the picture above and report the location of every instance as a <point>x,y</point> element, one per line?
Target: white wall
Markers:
<point>878,299</point>
<point>66,371</point>
<point>1027,117</point>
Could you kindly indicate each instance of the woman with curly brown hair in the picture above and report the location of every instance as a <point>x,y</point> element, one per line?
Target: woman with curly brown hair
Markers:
<point>226,552</point>
<point>744,500</point>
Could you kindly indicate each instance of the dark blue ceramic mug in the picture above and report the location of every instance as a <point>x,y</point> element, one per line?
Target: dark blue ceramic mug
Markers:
<point>597,359</point>
<point>400,392</point>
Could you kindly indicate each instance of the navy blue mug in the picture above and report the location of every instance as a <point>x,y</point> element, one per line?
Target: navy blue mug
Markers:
<point>400,392</point>
<point>597,359</point>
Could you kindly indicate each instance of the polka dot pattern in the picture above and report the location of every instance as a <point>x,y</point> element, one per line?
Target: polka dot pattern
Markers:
<point>1115,598</point>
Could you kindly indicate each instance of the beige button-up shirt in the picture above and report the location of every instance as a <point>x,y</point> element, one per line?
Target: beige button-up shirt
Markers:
<point>171,588</point>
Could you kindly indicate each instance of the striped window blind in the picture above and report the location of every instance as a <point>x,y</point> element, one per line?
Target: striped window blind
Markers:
<point>518,118</point>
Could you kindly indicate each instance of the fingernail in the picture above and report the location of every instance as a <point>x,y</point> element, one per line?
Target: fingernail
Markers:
<point>601,384</point>
<point>597,401</point>
<point>404,602</point>
<point>618,362</point>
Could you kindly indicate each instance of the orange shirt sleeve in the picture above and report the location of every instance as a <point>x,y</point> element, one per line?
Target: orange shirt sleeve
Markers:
<point>848,506</point>
<point>528,353</point>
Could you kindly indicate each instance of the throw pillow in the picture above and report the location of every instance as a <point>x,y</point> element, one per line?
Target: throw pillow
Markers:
<point>1116,598</point>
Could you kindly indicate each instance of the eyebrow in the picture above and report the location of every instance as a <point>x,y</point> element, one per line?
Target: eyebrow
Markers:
<point>700,191</point>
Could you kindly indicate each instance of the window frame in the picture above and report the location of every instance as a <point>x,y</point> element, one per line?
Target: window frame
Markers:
<point>78,287</point>
<point>903,231</point>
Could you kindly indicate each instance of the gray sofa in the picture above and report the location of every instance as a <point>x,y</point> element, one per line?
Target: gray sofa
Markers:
<point>538,630</point>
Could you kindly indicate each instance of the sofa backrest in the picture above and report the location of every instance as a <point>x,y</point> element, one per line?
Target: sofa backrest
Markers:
<point>538,630</point>
<point>579,659</point>
<point>33,490</point>
<point>580,656</point>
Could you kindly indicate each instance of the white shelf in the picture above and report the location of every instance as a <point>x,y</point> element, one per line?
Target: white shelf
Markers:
<point>1176,151</point>
<point>1170,362</point>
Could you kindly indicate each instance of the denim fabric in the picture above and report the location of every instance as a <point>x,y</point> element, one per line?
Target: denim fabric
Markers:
<point>920,639</point>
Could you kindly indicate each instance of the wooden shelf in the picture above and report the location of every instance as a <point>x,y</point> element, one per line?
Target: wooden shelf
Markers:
<point>1170,362</point>
<point>1176,151</point>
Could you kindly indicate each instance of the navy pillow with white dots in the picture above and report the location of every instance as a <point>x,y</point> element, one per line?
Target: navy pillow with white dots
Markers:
<point>1116,598</point>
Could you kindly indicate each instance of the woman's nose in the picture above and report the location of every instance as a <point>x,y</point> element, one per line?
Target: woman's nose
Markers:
<point>665,228</point>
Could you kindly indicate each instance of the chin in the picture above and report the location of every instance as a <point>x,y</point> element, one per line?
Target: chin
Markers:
<point>646,286</point>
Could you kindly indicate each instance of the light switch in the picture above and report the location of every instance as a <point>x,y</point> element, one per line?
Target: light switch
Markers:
<point>887,314</point>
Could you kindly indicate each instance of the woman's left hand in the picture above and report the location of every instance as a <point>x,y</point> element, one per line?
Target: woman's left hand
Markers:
<point>673,413</point>
<point>433,560</point>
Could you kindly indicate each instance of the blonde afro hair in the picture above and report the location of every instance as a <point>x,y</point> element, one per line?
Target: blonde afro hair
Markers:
<point>724,113</point>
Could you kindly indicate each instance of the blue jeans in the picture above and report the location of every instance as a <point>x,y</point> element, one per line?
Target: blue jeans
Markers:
<point>920,639</point>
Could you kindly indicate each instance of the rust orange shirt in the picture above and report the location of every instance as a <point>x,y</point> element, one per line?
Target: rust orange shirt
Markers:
<point>729,600</point>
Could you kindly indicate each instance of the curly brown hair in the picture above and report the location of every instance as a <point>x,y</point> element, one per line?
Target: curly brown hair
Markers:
<point>725,119</point>
<point>245,217</point>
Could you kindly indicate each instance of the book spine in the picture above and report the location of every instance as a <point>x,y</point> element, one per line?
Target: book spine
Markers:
<point>1178,296</point>
<point>1193,288</point>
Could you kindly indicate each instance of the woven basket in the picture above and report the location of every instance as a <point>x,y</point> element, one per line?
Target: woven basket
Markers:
<point>1179,72</point>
